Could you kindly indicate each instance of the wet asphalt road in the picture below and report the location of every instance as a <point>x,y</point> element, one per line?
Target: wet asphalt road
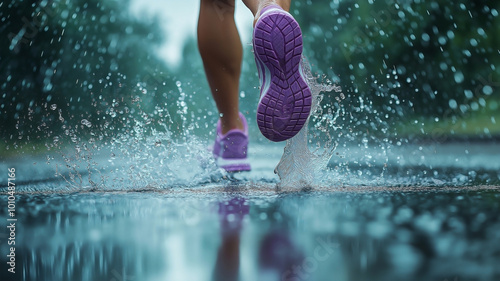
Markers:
<point>407,224</point>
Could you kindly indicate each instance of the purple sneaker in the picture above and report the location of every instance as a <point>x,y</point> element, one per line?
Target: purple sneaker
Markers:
<point>230,149</point>
<point>285,97</point>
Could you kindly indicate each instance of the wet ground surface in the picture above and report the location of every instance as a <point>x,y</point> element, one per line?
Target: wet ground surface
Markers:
<point>382,219</point>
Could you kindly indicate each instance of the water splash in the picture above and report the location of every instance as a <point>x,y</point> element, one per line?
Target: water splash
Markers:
<point>136,148</point>
<point>299,165</point>
<point>133,142</point>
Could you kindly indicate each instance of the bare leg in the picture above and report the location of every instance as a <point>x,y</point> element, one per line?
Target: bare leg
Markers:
<point>221,50</point>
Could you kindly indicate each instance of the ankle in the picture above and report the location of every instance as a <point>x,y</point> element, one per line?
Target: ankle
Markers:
<point>228,124</point>
<point>285,5</point>
<point>263,5</point>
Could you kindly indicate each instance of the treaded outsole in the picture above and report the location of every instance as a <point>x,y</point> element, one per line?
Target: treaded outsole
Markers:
<point>285,106</point>
<point>236,168</point>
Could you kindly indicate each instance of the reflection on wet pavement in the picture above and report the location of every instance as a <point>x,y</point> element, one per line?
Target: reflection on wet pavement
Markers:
<point>243,233</point>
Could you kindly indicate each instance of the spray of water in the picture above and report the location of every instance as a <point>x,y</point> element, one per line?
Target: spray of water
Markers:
<point>150,150</point>
<point>300,164</point>
<point>154,149</point>
<point>127,145</point>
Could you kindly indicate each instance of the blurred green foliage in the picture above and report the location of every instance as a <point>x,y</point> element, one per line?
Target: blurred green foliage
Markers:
<point>431,60</point>
<point>71,65</point>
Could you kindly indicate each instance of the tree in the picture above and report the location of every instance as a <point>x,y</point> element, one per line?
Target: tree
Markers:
<point>69,65</point>
<point>409,59</point>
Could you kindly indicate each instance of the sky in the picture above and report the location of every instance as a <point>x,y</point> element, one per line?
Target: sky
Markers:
<point>179,20</point>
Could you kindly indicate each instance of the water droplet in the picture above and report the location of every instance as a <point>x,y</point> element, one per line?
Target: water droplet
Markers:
<point>453,104</point>
<point>86,123</point>
<point>468,94</point>
<point>487,90</point>
<point>459,77</point>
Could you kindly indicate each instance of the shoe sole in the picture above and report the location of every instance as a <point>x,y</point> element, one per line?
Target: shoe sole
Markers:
<point>285,101</point>
<point>234,165</point>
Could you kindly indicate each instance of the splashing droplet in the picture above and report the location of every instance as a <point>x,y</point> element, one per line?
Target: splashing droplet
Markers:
<point>86,122</point>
